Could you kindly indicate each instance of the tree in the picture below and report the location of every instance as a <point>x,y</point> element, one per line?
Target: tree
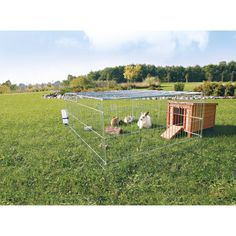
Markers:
<point>7,83</point>
<point>209,71</point>
<point>81,82</point>
<point>222,66</point>
<point>152,81</point>
<point>70,77</point>
<point>138,73</point>
<point>209,76</point>
<point>106,74</point>
<point>223,76</point>
<point>161,72</point>
<point>186,77</point>
<point>13,87</point>
<point>233,76</point>
<point>93,75</point>
<point>132,72</point>
<point>168,77</point>
<point>65,82</point>
<point>4,89</point>
<point>231,67</point>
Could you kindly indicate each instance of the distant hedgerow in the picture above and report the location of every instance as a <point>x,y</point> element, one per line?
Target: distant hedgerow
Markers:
<point>216,89</point>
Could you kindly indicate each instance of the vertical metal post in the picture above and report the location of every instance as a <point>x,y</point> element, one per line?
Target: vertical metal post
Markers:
<point>104,145</point>
<point>159,109</point>
<point>202,116</point>
<point>132,113</point>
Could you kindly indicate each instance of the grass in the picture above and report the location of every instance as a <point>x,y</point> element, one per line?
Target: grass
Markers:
<point>132,141</point>
<point>42,162</point>
<point>169,86</point>
<point>187,86</point>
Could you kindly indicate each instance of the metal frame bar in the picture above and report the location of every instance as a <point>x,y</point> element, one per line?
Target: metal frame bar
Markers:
<point>104,162</point>
<point>86,125</point>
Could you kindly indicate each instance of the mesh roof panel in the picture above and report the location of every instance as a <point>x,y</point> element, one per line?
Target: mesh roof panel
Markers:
<point>131,94</point>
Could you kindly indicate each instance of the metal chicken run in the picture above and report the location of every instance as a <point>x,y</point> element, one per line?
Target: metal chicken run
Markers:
<point>172,120</point>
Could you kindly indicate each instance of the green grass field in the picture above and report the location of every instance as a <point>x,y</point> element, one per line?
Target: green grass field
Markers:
<point>187,86</point>
<point>42,162</point>
<point>170,86</point>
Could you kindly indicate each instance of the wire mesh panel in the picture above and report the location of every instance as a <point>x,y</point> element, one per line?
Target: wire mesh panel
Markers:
<point>134,141</point>
<point>86,119</point>
<point>111,124</point>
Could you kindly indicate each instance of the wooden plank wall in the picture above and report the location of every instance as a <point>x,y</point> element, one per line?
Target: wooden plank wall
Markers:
<point>209,115</point>
<point>194,113</point>
<point>207,111</point>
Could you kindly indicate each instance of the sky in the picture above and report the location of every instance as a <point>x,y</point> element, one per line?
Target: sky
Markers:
<point>49,56</point>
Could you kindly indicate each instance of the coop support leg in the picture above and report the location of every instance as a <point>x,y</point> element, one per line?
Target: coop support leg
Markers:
<point>190,135</point>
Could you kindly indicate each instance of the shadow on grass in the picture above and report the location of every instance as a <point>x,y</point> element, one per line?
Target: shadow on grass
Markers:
<point>220,130</point>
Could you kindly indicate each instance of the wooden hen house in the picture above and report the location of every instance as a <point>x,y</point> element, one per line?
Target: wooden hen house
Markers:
<point>191,117</point>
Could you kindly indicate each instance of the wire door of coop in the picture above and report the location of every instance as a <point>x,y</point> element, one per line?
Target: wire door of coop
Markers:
<point>90,113</point>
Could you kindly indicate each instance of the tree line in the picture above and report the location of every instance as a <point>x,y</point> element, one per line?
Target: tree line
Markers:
<point>138,73</point>
<point>8,87</point>
<point>116,77</point>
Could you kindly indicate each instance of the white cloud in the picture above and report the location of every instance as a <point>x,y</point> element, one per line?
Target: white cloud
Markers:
<point>68,42</point>
<point>188,38</point>
<point>161,43</point>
